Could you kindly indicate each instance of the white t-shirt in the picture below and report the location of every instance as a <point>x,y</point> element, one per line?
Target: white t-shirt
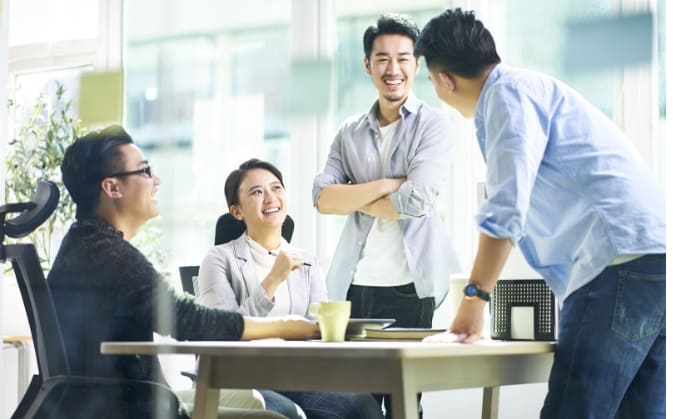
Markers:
<point>263,264</point>
<point>383,262</point>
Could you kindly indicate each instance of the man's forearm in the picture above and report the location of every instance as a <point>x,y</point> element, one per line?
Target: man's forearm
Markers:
<point>346,199</point>
<point>382,208</point>
<point>492,254</point>
<point>286,327</point>
<point>490,260</point>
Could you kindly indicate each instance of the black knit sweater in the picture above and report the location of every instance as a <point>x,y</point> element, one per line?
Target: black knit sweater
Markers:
<point>105,290</point>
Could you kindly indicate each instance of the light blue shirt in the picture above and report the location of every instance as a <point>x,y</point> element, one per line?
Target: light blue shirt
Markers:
<point>420,151</point>
<point>563,182</point>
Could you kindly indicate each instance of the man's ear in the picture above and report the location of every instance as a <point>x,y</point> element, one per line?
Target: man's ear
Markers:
<point>235,210</point>
<point>368,67</point>
<point>110,187</point>
<point>448,80</point>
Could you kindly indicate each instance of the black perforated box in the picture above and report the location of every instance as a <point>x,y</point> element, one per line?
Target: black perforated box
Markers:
<point>523,309</point>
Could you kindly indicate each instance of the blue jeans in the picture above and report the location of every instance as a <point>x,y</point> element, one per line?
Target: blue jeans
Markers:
<point>278,403</point>
<point>323,405</point>
<point>610,360</point>
<point>400,303</point>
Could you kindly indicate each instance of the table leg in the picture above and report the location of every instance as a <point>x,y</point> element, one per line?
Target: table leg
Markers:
<point>205,398</point>
<point>490,403</point>
<point>404,404</point>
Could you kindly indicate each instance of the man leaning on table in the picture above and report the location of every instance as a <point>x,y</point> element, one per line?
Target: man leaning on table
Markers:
<point>106,290</point>
<point>564,185</point>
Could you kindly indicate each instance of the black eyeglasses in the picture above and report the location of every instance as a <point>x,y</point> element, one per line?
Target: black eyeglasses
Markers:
<point>146,170</point>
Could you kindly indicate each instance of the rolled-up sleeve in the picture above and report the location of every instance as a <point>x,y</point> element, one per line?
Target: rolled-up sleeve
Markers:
<point>427,169</point>
<point>514,143</point>
<point>333,172</point>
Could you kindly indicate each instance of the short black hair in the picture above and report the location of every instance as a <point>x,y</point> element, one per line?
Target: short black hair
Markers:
<point>457,42</point>
<point>235,178</point>
<point>389,23</point>
<point>88,161</point>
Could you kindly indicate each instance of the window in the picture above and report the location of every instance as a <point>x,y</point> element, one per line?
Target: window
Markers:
<point>57,20</point>
<point>206,86</point>
<point>60,43</point>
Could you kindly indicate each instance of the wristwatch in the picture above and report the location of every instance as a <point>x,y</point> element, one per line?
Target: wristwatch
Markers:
<point>472,291</point>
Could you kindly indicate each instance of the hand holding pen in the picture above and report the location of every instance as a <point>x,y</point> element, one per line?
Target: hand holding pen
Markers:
<point>286,262</point>
<point>276,254</point>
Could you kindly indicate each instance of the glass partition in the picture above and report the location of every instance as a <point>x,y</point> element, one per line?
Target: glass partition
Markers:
<point>205,87</point>
<point>535,38</point>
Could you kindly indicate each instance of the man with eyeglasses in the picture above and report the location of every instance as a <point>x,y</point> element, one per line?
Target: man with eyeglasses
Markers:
<point>147,170</point>
<point>105,289</point>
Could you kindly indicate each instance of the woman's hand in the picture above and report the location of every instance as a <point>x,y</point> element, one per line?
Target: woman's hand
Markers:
<point>290,327</point>
<point>286,262</point>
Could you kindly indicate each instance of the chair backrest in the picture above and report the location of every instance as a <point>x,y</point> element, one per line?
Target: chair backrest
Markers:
<point>55,392</point>
<point>187,274</point>
<point>36,295</point>
<point>229,228</point>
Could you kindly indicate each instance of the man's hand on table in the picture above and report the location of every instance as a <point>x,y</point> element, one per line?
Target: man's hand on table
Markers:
<point>467,326</point>
<point>290,327</point>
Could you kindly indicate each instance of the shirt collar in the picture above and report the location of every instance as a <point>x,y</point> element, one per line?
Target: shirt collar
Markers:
<point>411,105</point>
<point>244,246</point>
<point>493,76</point>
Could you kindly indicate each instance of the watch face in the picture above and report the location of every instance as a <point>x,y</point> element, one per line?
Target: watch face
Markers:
<point>471,290</point>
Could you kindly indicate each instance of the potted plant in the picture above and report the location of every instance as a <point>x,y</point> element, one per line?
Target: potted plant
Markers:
<point>36,153</point>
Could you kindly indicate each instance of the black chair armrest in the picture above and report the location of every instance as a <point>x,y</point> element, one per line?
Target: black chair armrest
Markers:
<point>191,374</point>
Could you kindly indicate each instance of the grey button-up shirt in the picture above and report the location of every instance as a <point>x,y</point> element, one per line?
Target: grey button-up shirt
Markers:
<point>420,151</point>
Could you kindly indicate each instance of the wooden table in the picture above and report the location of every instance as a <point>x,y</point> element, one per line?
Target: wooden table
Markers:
<point>400,369</point>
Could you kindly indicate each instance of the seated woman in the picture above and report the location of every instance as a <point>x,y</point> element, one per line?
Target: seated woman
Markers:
<point>260,274</point>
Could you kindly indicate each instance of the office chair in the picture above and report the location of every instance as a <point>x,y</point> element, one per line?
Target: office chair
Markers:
<point>55,393</point>
<point>190,284</point>
<point>229,228</point>
<point>188,278</point>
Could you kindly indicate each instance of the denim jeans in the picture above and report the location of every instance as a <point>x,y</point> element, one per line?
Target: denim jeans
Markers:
<point>400,303</point>
<point>278,403</point>
<point>610,359</point>
<point>323,405</point>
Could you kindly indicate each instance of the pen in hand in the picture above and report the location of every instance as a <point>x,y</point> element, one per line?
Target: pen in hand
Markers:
<point>276,254</point>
